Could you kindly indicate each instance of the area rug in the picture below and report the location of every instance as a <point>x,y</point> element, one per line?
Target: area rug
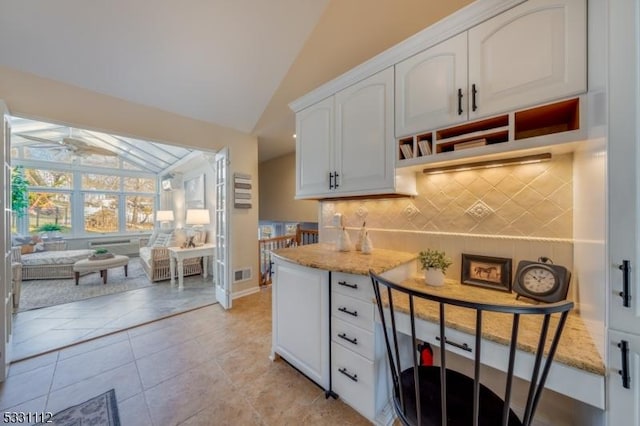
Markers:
<point>101,410</point>
<point>42,293</point>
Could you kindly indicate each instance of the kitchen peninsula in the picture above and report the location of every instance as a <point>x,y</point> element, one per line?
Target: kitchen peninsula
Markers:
<point>324,324</point>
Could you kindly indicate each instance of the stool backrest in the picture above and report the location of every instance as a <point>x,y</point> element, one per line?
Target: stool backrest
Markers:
<point>437,395</point>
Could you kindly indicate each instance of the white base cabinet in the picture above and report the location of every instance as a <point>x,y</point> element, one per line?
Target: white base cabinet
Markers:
<point>300,299</point>
<point>624,378</point>
<point>358,363</point>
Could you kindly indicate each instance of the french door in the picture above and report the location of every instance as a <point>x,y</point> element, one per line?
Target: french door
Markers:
<point>6,289</point>
<point>222,275</point>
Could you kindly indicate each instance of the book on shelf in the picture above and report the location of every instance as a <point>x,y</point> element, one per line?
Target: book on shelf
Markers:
<point>425,149</point>
<point>470,144</point>
<point>407,150</point>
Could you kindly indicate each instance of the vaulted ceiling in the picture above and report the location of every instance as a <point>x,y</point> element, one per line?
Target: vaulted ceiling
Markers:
<point>233,63</point>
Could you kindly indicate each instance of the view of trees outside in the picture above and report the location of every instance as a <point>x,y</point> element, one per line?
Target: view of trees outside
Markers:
<point>139,211</point>
<point>101,213</point>
<point>101,204</point>
<point>49,207</point>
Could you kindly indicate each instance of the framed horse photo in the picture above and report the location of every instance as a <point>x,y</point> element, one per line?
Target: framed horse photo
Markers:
<point>485,271</point>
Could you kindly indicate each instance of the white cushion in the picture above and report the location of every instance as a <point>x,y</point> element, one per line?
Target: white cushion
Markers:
<point>55,257</point>
<point>152,238</point>
<point>162,240</point>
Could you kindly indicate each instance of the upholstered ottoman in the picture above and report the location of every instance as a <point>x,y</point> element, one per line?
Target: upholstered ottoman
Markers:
<point>100,265</point>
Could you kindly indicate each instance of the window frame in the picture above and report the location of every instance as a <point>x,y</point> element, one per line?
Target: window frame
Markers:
<point>77,194</point>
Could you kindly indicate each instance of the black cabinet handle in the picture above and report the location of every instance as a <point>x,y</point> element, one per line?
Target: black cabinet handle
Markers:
<point>330,180</point>
<point>474,92</point>
<point>462,346</point>
<point>626,283</point>
<point>460,102</point>
<point>346,284</point>
<point>335,179</point>
<point>353,377</point>
<point>348,339</point>
<point>346,311</point>
<point>624,352</point>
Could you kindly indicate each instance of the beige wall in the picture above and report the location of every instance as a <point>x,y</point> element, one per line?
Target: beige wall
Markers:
<point>278,190</point>
<point>39,98</point>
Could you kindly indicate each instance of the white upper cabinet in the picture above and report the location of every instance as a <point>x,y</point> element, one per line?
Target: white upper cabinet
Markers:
<point>345,144</point>
<point>314,148</point>
<point>530,54</point>
<point>364,142</point>
<point>431,87</point>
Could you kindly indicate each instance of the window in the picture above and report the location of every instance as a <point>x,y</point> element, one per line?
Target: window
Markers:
<point>45,205</point>
<point>139,213</point>
<point>101,213</point>
<point>49,207</point>
<point>100,182</point>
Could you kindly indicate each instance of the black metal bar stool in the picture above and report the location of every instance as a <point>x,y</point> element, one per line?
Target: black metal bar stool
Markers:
<point>436,395</point>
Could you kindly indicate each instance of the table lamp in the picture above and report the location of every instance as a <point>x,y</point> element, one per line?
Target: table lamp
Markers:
<point>164,217</point>
<point>197,218</point>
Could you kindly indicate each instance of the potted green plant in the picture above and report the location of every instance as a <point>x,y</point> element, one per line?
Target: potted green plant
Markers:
<point>19,192</point>
<point>435,264</point>
<point>49,230</point>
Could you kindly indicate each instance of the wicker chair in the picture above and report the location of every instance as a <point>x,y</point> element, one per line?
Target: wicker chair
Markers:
<point>156,262</point>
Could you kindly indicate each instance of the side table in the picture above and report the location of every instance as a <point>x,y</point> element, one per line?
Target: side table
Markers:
<point>178,255</point>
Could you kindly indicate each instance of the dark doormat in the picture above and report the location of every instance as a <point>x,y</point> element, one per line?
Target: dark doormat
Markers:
<point>101,410</point>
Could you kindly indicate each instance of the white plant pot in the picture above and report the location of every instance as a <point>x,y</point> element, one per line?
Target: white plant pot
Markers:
<point>434,277</point>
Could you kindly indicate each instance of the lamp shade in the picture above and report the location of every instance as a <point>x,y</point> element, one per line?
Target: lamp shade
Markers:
<point>197,217</point>
<point>164,215</point>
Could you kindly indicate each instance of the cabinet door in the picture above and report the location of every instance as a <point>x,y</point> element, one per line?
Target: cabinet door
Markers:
<point>364,136</point>
<point>431,87</point>
<point>301,319</point>
<point>314,142</point>
<point>532,53</point>
<point>623,401</point>
<point>622,158</point>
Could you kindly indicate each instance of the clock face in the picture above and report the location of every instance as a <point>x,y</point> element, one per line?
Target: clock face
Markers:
<point>539,280</point>
<point>545,282</point>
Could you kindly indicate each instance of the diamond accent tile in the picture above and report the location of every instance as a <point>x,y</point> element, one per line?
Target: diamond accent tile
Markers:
<point>362,212</point>
<point>479,210</point>
<point>410,211</point>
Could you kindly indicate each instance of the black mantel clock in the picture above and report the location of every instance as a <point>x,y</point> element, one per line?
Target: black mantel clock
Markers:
<point>541,280</point>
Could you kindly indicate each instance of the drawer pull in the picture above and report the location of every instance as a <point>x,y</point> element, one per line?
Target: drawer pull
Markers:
<point>346,311</point>
<point>624,351</point>
<point>344,371</point>
<point>462,346</point>
<point>346,284</point>
<point>348,339</point>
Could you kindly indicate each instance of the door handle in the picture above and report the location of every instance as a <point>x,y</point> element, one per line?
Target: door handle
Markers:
<point>460,102</point>
<point>626,283</point>
<point>624,372</point>
<point>330,180</point>
<point>474,92</point>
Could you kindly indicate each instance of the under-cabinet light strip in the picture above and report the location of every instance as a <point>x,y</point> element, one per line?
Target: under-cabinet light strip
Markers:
<point>490,163</point>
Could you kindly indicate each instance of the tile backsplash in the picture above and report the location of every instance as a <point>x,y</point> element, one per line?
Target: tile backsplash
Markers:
<point>534,200</point>
<point>516,211</point>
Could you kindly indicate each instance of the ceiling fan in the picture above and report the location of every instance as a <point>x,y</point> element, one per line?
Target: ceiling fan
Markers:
<point>76,146</point>
<point>83,148</point>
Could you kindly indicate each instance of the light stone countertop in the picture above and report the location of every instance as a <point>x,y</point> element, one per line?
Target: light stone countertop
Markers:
<point>324,256</point>
<point>576,348</point>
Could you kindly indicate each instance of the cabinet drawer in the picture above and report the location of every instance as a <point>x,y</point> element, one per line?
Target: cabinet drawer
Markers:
<point>353,380</point>
<point>354,311</point>
<point>352,285</point>
<point>352,337</point>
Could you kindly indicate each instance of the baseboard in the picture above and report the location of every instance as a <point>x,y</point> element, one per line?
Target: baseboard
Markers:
<point>243,293</point>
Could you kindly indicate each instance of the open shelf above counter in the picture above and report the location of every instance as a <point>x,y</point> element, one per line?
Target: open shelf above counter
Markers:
<point>554,128</point>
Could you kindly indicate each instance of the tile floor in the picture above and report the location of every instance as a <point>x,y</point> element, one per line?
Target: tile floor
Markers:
<point>40,330</point>
<point>203,367</point>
